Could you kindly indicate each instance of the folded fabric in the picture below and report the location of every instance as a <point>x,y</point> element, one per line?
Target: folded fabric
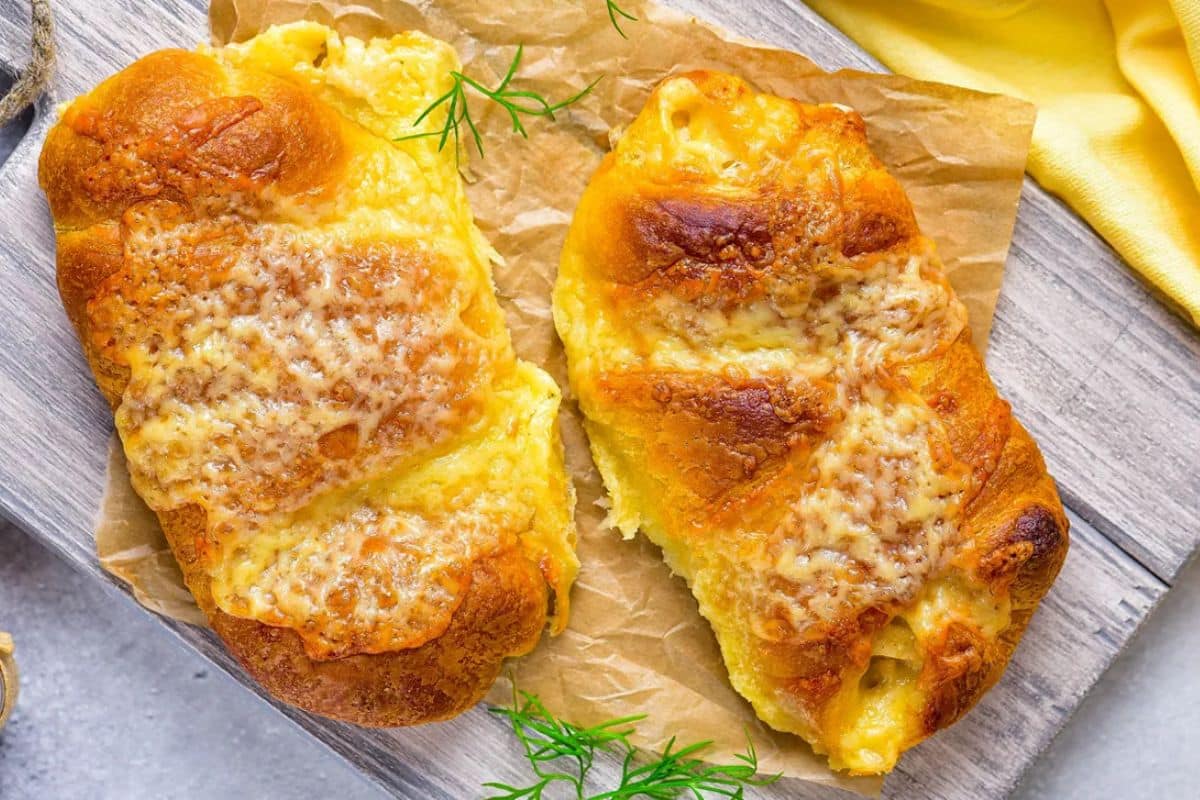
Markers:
<point>1115,82</point>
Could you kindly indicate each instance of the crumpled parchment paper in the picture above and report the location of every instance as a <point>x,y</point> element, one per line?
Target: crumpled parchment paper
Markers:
<point>636,643</point>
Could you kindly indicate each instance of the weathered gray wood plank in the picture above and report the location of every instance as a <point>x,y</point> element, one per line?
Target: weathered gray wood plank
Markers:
<point>1104,377</point>
<point>1108,381</point>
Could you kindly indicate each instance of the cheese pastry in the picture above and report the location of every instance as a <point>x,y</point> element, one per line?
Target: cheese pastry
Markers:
<point>292,316</point>
<point>781,392</point>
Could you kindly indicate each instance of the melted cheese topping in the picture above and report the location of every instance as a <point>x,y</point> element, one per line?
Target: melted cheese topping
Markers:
<point>239,367</point>
<point>873,718</point>
<point>850,317</point>
<point>689,136</point>
<point>875,518</point>
<point>870,518</point>
<point>381,564</point>
<point>331,381</point>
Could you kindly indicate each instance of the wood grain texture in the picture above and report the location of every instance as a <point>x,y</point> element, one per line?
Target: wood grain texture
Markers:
<point>1106,378</point>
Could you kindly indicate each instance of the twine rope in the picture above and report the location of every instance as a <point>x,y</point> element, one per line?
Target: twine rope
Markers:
<point>8,678</point>
<point>36,75</point>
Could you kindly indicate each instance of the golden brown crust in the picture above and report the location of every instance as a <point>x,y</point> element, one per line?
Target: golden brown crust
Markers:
<point>738,282</point>
<point>722,431</point>
<point>1016,522</point>
<point>178,136</point>
<point>502,614</point>
<point>164,128</point>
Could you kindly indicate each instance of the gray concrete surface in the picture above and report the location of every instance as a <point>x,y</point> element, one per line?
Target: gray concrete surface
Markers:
<point>1137,735</point>
<point>113,707</point>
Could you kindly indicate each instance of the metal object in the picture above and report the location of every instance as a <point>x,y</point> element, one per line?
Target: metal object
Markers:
<point>8,679</point>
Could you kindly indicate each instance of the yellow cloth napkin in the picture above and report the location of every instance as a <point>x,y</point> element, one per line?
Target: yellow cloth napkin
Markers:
<point>1115,82</point>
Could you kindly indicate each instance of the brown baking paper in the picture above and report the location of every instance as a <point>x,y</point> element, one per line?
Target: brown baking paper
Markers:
<point>636,642</point>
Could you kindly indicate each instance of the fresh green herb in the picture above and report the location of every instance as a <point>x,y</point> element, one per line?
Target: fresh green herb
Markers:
<point>561,753</point>
<point>516,102</point>
<point>615,11</point>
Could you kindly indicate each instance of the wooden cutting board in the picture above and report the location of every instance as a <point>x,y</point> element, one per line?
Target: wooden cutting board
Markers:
<point>1104,376</point>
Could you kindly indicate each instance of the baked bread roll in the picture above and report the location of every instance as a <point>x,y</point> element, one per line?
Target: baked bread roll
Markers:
<point>293,318</point>
<point>780,391</point>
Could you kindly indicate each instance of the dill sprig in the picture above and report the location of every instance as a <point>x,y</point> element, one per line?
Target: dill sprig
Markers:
<point>516,102</point>
<point>615,11</point>
<point>561,753</point>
